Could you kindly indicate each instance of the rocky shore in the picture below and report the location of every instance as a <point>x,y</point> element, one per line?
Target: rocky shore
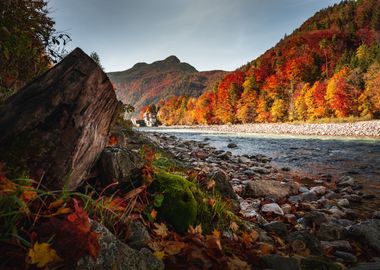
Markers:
<point>315,218</point>
<point>356,129</point>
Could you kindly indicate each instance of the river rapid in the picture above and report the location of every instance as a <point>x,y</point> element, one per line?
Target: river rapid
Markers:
<point>304,155</point>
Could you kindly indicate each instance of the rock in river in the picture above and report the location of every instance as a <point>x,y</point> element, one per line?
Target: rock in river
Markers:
<point>271,188</point>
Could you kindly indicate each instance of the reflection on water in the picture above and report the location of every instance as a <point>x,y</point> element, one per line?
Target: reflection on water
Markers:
<point>357,157</point>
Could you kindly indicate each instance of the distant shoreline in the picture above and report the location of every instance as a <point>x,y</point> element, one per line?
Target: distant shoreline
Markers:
<point>355,129</point>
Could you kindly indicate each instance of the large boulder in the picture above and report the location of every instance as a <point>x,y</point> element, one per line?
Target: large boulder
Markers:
<point>114,254</point>
<point>54,128</point>
<point>268,188</point>
<point>122,165</point>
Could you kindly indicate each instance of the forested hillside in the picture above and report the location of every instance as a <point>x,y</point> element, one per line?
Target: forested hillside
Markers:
<point>327,68</point>
<point>145,84</point>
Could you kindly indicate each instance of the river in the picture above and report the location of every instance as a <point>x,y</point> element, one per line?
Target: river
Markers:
<point>306,155</point>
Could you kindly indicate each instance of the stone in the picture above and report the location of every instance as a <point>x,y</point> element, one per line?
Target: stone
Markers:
<point>307,240</point>
<point>277,262</point>
<point>138,235</point>
<point>303,189</point>
<point>341,245</point>
<point>343,203</point>
<point>353,197</point>
<point>278,227</point>
<point>331,232</point>
<point>315,217</point>
<point>271,188</point>
<point>287,208</point>
<point>55,127</point>
<point>367,232</point>
<point>376,215</point>
<point>232,145</point>
<point>272,208</point>
<point>366,266</point>
<point>260,170</point>
<point>346,256</point>
<point>319,263</point>
<point>122,165</point>
<point>309,197</point>
<point>318,190</point>
<point>222,184</point>
<point>114,254</point>
<point>345,181</point>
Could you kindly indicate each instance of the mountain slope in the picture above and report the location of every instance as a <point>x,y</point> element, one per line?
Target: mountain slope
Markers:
<point>145,84</point>
<point>328,67</point>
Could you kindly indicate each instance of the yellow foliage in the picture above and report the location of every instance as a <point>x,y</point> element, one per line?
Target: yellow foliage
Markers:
<point>42,254</point>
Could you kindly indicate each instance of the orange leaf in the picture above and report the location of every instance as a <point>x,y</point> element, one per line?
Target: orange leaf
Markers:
<point>56,203</point>
<point>153,214</point>
<point>233,226</point>
<point>235,263</point>
<point>161,230</point>
<point>196,231</point>
<point>174,247</point>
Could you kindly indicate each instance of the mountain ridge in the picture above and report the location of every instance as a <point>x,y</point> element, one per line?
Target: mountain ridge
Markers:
<point>145,84</point>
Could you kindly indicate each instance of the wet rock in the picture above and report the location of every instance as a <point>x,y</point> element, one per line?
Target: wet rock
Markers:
<point>346,256</point>
<point>271,188</point>
<point>138,235</point>
<point>272,208</point>
<point>232,145</point>
<point>367,232</point>
<point>277,227</point>
<point>303,189</point>
<point>304,239</point>
<point>120,164</point>
<point>319,263</point>
<point>335,212</point>
<point>295,199</point>
<point>114,254</point>
<point>222,183</point>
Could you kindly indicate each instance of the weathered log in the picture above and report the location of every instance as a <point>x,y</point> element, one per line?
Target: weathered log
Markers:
<point>54,128</point>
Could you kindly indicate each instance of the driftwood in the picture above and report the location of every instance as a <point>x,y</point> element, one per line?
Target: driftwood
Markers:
<point>55,128</point>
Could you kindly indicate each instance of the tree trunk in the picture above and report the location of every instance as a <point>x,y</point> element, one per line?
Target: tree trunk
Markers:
<point>54,128</point>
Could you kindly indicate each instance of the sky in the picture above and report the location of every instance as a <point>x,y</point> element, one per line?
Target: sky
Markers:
<point>208,34</point>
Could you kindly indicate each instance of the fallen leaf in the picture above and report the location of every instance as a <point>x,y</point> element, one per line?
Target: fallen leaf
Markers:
<point>196,231</point>
<point>161,230</point>
<point>235,263</point>
<point>216,233</point>
<point>153,214</point>
<point>211,184</point>
<point>174,247</point>
<point>56,204</point>
<point>42,254</point>
<point>233,226</point>
<point>159,254</point>
<point>266,249</point>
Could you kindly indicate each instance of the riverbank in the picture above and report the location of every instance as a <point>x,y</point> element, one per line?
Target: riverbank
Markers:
<point>313,217</point>
<point>356,129</point>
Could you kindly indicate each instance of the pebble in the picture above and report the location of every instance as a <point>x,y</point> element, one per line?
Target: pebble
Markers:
<point>273,208</point>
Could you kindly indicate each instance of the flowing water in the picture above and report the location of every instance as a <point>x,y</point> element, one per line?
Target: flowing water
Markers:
<point>307,155</point>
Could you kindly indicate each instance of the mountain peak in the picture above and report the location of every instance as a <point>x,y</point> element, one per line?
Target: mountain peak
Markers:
<point>172,59</point>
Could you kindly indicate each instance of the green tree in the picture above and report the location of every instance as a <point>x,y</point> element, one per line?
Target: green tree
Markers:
<point>29,43</point>
<point>96,58</point>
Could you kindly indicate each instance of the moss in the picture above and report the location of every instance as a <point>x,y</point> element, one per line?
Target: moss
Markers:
<point>179,207</point>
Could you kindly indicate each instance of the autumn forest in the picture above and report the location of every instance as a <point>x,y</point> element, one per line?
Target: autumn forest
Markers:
<point>328,68</point>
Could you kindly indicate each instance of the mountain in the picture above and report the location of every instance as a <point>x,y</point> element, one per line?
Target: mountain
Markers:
<point>327,68</point>
<point>145,84</point>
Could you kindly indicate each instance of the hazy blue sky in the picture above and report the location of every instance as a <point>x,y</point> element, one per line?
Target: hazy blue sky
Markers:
<point>208,34</point>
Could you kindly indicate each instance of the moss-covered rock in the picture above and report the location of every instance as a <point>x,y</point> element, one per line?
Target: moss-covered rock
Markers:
<point>179,207</point>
